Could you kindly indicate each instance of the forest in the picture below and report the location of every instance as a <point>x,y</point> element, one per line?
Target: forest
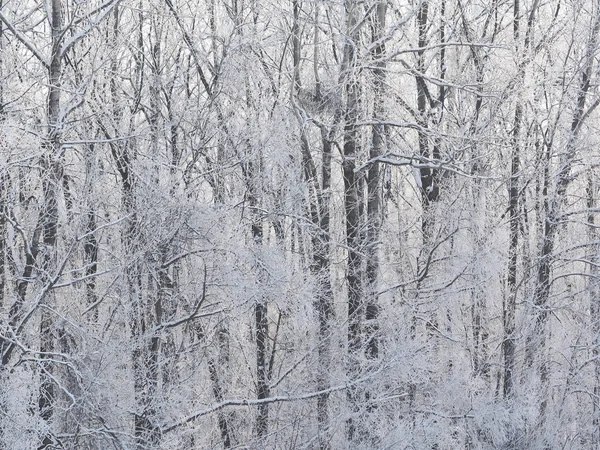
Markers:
<point>299,224</point>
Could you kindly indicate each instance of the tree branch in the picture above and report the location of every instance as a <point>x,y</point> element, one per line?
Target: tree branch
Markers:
<point>256,402</point>
<point>21,37</point>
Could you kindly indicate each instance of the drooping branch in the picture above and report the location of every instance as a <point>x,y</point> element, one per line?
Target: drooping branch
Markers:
<point>265,401</point>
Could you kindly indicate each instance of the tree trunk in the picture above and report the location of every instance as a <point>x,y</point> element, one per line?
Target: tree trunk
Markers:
<point>3,183</point>
<point>510,299</point>
<point>508,344</point>
<point>319,216</point>
<point>594,298</point>
<point>352,215</point>
<point>90,243</point>
<point>429,176</point>
<point>261,323</point>
<point>50,164</point>
<point>374,212</point>
<point>552,206</point>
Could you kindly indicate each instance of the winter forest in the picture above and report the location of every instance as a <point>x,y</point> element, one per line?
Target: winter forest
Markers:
<point>299,224</point>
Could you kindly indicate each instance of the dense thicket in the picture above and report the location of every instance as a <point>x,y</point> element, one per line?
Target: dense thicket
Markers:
<point>299,224</point>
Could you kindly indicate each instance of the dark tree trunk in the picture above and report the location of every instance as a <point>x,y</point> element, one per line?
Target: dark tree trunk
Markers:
<point>374,212</point>
<point>352,207</point>
<point>594,297</point>
<point>50,184</point>
<point>90,243</point>
<point>552,206</point>
<point>3,183</point>
<point>319,216</point>
<point>261,323</point>
<point>510,301</point>
<point>429,177</point>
